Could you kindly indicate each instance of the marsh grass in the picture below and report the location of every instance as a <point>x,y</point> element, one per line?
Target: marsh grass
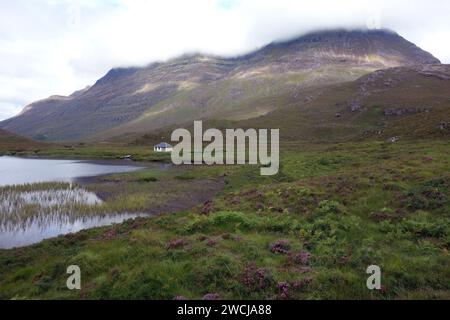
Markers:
<point>20,206</point>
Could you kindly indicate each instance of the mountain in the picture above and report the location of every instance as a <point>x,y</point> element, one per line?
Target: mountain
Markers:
<point>139,100</point>
<point>402,102</point>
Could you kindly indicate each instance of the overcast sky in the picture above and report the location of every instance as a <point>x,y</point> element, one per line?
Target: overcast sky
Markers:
<point>58,46</point>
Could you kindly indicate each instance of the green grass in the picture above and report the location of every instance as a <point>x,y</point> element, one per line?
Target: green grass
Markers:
<point>10,142</point>
<point>342,206</point>
<point>95,151</point>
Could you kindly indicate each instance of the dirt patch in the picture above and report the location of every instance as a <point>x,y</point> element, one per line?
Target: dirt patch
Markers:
<point>199,192</point>
<point>166,195</point>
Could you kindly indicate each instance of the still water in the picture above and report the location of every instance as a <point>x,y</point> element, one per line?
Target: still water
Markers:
<point>28,217</point>
<point>15,171</point>
<point>14,235</point>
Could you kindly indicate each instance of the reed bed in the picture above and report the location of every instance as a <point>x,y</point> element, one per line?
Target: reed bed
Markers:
<point>26,204</point>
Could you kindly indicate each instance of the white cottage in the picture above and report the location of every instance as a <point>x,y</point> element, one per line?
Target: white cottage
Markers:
<point>163,147</point>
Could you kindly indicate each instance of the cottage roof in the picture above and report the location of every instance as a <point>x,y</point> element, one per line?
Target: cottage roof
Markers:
<point>163,145</point>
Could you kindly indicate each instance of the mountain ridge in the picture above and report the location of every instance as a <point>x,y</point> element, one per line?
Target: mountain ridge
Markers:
<point>203,86</point>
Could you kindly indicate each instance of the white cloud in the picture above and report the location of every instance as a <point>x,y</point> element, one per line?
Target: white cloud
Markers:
<point>58,46</point>
<point>8,110</point>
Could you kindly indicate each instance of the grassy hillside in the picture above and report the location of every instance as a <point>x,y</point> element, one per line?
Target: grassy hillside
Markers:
<point>401,102</point>
<point>405,102</point>
<point>308,233</point>
<point>10,142</point>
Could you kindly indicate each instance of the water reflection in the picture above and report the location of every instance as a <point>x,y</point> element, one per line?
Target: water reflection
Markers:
<point>30,216</point>
<point>43,226</point>
<point>16,171</point>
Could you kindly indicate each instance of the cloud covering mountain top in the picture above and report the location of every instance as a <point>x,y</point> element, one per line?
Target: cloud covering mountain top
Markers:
<point>50,46</point>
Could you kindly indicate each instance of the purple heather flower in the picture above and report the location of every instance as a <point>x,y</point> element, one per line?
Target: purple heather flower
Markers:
<point>211,296</point>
